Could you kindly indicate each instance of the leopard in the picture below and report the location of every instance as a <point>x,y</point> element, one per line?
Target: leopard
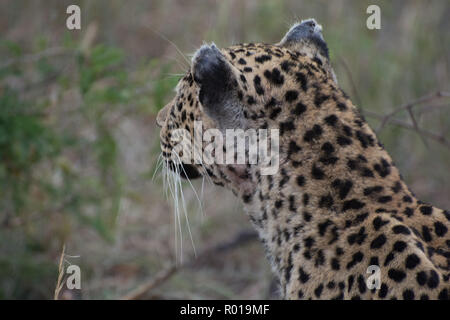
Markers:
<point>337,204</point>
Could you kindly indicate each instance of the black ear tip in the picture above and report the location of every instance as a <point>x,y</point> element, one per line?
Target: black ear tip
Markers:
<point>205,50</point>
<point>207,58</point>
<point>310,23</point>
<point>306,29</point>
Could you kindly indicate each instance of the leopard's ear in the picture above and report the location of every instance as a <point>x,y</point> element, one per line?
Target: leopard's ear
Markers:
<point>305,34</point>
<point>306,37</point>
<point>218,86</point>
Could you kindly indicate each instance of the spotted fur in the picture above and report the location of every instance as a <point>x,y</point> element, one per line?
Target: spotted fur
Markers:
<point>338,203</point>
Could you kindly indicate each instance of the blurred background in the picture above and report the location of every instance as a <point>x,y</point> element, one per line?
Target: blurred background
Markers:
<point>79,143</point>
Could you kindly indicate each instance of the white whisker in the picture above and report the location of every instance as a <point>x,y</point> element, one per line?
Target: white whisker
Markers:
<point>172,43</point>
<point>177,211</point>
<point>192,187</point>
<point>201,196</point>
<point>175,74</point>
<point>172,184</point>
<point>183,202</point>
<point>177,221</point>
<point>159,163</point>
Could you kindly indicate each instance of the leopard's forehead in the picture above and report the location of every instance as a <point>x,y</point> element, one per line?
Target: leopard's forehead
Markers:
<point>260,68</point>
<point>256,53</point>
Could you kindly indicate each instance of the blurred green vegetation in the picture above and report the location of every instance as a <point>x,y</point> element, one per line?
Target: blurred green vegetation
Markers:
<point>78,140</point>
<point>40,152</point>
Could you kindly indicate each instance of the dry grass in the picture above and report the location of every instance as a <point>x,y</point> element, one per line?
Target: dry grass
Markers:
<point>59,283</point>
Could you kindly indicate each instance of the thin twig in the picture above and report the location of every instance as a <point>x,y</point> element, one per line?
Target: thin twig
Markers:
<point>416,126</point>
<point>149,285</point>
<point>429,108</point>
<point>352,83</point>
<point>386,118</point>
<point>434,136</point>
<point>239,239</point>
<point>423,99</point>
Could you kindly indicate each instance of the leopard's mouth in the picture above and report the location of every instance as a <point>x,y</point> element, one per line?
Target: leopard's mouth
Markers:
<point>186,171</point>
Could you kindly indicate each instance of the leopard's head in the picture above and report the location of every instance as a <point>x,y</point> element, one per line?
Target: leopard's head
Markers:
<point>248,87</point>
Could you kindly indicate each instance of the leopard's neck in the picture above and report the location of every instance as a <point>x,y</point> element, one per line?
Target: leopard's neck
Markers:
<point>324,189</point>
